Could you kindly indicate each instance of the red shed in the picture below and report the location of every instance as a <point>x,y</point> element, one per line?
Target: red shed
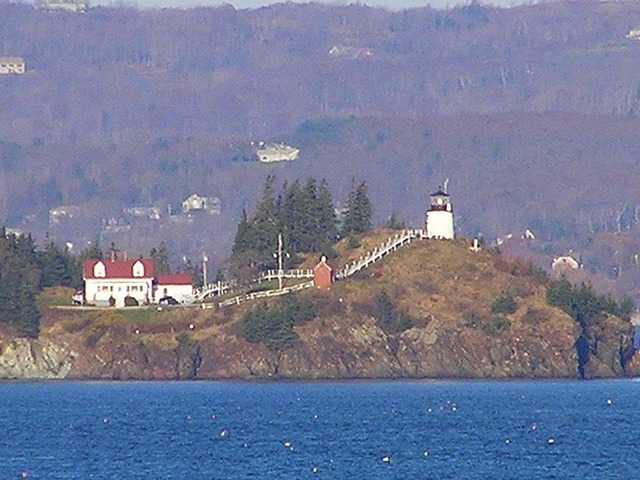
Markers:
<point>322,274</point>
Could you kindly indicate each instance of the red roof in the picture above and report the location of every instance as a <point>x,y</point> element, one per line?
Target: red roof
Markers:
<point>323,264</point>
<point>175,279</point>
<point>118,268</point>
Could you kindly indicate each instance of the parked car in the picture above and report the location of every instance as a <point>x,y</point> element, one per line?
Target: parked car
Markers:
<point>168,300</point>
<point>78,298</point>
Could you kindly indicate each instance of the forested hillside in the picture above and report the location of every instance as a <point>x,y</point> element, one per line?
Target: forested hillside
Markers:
<point>530,112</point>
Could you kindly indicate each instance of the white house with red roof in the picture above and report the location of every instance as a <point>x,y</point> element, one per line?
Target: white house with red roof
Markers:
<point>114,278</point>
<point>177,285</point>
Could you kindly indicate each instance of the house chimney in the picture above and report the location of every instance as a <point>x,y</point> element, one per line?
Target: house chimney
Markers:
<point>113,255</point>
<point>126,255</point>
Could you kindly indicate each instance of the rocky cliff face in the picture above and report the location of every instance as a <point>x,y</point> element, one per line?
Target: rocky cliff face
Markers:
<point>22,358</point>
<point>327,349</point>
<point>447,290</point>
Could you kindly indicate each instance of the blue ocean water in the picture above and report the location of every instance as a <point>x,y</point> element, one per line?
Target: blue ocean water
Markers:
<point>230,430</point>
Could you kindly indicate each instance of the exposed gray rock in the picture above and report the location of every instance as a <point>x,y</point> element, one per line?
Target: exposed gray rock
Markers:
<point>24,358</point>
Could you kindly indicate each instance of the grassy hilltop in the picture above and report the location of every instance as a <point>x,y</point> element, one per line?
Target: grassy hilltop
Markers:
<point>431,309</point>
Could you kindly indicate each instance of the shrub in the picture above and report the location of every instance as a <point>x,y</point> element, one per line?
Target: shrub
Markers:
<point>353,242</point>
<point>184,340</point>
<point>472,320</point>
<point>326,305</point>
<point>387,316</point>
<point>504,303</point>
<point>490,326</point>
<point>271,327</point>
<point>94,335</point>
<point>496,325</point>
<point>534,316</point>
<point>583,304</point>
<point>538,274</point>
<point>130,301</point>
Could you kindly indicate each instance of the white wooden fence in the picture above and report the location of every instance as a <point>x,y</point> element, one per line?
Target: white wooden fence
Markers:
<point>391,245</point>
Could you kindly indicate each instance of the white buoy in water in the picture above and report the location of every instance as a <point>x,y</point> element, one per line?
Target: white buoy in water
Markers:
<point>224,432</point>
<point>609,401</point>
<point>551,441</point>
<point>386,459</point>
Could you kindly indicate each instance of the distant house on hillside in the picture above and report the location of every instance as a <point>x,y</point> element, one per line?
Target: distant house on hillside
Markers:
<point>277,152</point>
<point>197,203</point>
<point>633,34</point>
<point>79,6</point>
<point>152,213</point>
<point>347,51</point>
<point>566,262</point>
<point>12,65</point>
<point>63,212</point>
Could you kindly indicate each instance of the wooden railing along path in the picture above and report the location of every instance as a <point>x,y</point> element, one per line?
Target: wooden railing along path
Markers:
<point>391,245</point>
<point>264,294</point>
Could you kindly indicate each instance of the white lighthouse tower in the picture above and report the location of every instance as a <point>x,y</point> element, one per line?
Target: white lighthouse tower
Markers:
<point>438,221</point>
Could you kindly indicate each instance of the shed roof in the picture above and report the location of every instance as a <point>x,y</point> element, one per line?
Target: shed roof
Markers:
<point>175,279</point>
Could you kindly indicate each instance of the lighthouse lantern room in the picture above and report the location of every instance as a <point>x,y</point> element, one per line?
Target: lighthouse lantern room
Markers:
<point>439,217</point>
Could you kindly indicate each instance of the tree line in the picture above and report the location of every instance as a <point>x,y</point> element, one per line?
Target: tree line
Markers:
<point>304,216</point>
<point>24,272</point>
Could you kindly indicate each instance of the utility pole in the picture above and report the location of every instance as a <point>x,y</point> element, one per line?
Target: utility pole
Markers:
<point>280,271</point>
<point>205,259</point>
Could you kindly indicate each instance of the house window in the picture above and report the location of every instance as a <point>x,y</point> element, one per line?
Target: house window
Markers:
<point>138,269</point>
<point>111,288</point>
<point>99,270</point>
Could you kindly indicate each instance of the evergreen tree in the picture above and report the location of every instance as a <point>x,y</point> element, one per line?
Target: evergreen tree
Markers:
<point>195,269</point>
<point>327,225</point>
<point>244,234</point>
<point>308,211</point>
<point>290,216</point>
<point>265,224</point>
<point>160,258</point>
<point>303,214</point>
<point>93,250</point>
<point>394,223</point>
<point>58,267</point>
<point>19,281</point>
<point>359,211</point>
<point>388,317</point>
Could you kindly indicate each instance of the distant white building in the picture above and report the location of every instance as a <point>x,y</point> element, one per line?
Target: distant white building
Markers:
<point>633,34</point>
<point>12,65</point>
<point>152,213</point>
<point>348,51</point>
<point>277,152</point>
<point>63,212</point>
<point>197,203</point>
<point>439,217</point>
<point>566,262</point>
<point>77,6</point>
